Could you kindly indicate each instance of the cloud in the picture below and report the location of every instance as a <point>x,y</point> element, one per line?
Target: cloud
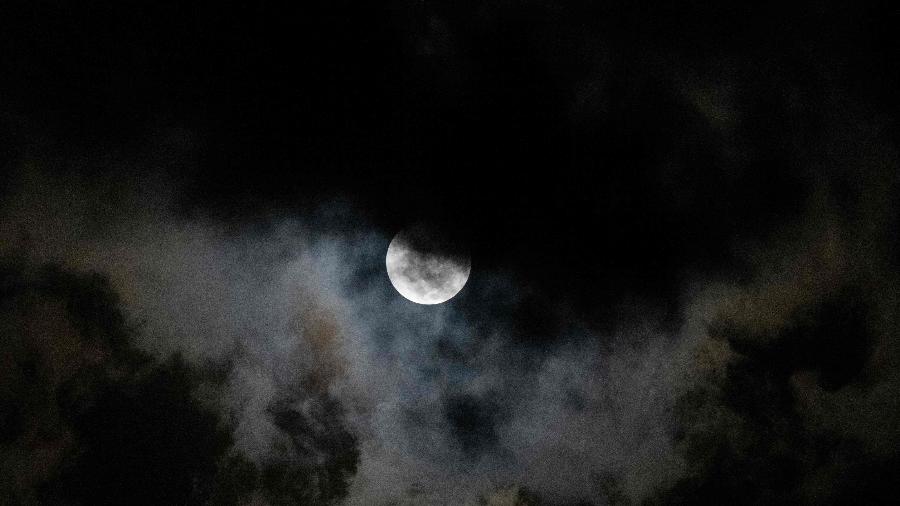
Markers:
<point>312,357</point>
<point>85,417</point>
<point>330,387</point>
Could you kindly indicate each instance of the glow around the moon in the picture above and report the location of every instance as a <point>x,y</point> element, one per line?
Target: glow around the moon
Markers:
<point>426,269</point>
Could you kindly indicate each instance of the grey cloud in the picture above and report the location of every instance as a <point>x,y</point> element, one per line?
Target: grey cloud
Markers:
<point>296,314</point>
<point>322,374</point>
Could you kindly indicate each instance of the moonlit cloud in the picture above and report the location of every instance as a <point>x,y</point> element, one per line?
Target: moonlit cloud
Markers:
<point>694,299</point>
<point>291,309</point>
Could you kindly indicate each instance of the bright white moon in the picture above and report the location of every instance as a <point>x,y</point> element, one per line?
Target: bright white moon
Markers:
<point>426,268</point>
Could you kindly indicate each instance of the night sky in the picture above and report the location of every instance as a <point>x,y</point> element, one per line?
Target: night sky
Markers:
<point>684,237</point>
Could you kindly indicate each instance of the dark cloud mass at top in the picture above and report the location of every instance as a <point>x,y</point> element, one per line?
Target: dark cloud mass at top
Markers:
<point>682,221</point>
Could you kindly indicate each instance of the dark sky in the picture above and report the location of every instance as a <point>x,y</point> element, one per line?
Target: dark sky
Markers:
<point>682,223</point>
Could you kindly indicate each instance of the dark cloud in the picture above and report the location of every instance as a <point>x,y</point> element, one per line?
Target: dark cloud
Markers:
<point>684,233</point>
<point>326,383</point>
<point>270,362</point>
<point>87,418</point>
<point>90,419</point>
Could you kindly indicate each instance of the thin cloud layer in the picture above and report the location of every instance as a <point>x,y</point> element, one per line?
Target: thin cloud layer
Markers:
<point>315,382</point>
<point>441,404</point>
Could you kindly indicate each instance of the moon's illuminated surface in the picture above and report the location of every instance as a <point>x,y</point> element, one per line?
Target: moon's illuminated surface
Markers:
<point>425,267</point>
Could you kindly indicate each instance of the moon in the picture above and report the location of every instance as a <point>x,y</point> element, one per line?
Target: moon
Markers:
<point>427,267</point>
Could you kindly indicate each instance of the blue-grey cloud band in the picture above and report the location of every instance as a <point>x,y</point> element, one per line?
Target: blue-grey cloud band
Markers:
<point>316,357</point>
